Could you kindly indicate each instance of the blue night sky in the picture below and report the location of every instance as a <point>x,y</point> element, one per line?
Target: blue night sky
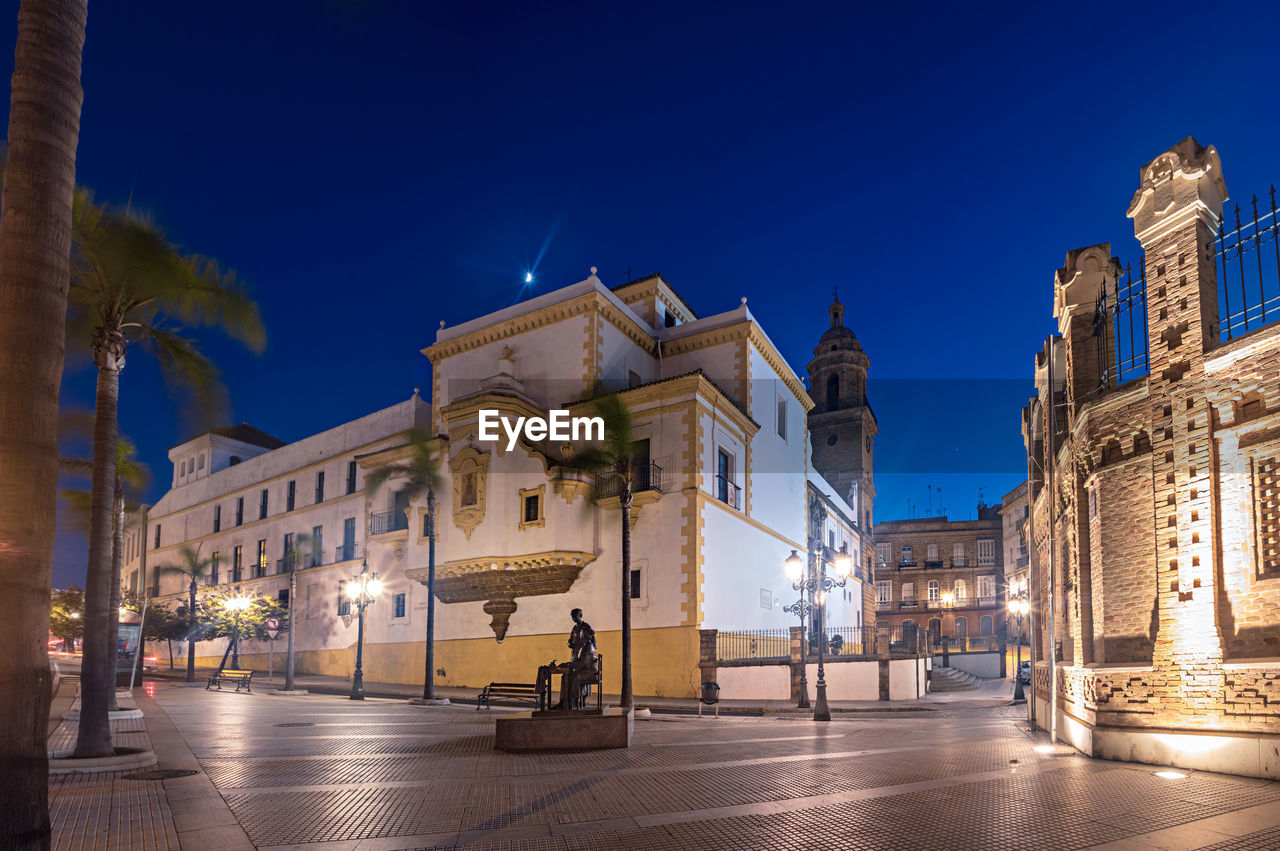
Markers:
<point>373,168</point>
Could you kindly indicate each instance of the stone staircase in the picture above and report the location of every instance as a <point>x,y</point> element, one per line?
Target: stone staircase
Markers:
<point>950,679</point>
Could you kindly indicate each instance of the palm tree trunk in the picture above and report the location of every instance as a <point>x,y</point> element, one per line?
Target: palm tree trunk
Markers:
<point>191,632</point>
<point>35,248</point>
<point>429,681</point>
<point>627,699</point>
<point>96,679</point>
<point>113,612</point>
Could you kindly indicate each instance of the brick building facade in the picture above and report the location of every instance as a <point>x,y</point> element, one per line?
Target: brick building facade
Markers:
<point>1154,508</point>
<point>944,576</point>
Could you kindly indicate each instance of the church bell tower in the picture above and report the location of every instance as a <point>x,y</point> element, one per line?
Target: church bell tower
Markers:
<point>841,423</point>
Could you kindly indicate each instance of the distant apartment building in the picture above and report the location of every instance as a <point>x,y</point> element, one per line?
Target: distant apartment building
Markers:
<point>943,576</point>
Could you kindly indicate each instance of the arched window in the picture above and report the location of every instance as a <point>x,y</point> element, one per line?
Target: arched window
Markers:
<point>933,589</point>
<point>962,627</point>
<point>986,625</point>
<point>833,392</point>
<point>935,629</point>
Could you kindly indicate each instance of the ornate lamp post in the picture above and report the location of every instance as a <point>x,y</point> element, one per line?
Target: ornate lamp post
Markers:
<point>815,585</point>
<point>794,567</point>
<point>237,604</point>
<point>1018,606</point>
<point>843,563</point>
<point>362,590</point>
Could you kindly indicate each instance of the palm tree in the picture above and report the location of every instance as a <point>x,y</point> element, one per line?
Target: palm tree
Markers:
<point>195,568</point>
<point>303,546</point>
<point>614,461</point>
<point>132,477</point>
<point>421,475</point>
<point>130,284</point>
<point>39,181</point>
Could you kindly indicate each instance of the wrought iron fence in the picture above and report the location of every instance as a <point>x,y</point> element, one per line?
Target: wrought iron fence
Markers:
<point>753,644</point>
<point>1249,283</point>
<point>1120,327</point>
<point>849,641</point>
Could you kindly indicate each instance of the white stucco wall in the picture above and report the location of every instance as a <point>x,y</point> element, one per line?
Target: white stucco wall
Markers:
<point>759,682</point>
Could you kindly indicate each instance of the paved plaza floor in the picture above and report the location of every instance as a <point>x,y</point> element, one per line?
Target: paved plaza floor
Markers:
<point>319,771</point>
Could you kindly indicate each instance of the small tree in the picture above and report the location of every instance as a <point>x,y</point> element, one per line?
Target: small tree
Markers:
<point>215,620</point>
<point>194,567</point>
<point>420,474</point>
<point>65,615</point>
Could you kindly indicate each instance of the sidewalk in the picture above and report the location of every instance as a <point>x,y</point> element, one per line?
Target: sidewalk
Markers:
<point>990,693</point>
<point>172,804</point>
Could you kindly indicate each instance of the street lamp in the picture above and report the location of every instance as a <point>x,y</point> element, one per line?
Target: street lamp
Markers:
<point>362,590</point>
<point>1018,606</point>
<point>237,604</point>
<point>794,568</point>
<point>817,584</point>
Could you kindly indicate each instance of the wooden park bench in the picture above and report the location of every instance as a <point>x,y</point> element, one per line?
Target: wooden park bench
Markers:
<point>231,675</point>
<point>527,692</point>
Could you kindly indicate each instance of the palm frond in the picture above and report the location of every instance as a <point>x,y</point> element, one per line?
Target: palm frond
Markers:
<point>421,472</point>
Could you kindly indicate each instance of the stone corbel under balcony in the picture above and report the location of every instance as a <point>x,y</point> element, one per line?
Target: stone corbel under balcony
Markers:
<point>639,500</point>
<point>499,580</point>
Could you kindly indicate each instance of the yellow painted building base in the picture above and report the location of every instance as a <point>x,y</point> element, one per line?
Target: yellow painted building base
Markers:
<point>664,662</point>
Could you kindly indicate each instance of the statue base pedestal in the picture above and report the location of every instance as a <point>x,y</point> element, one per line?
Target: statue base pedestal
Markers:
<point>576,730</point>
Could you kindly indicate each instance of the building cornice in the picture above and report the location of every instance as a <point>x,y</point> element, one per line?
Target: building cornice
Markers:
<point>589,302</point>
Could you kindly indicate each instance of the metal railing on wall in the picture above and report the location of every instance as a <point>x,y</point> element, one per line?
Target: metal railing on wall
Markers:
<point>739,644</point>
<point>1120,327</point>
<point>1249,260</point>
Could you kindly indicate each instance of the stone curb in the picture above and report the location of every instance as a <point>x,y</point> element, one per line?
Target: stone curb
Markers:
<point>60,762</point>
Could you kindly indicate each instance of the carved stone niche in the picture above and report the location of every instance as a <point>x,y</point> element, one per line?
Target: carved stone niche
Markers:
<point>470,469</point>
<point>499,580</point>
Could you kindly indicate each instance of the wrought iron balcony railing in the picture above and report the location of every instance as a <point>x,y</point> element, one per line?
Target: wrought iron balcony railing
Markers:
<point>345,552</point>
<point>645,476</point>
<point>388,521</point>
<point>728,493</point>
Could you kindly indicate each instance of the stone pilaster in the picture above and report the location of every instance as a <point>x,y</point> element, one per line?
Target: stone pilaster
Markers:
<point>1176,214</point>
<point>1087,277</point>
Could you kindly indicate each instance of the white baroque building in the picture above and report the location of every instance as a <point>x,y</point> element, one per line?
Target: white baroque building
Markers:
<point>719,506</point>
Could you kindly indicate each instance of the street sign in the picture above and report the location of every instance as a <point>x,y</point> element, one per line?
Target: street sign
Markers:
<point>273,627</point>
<point>272,633</point>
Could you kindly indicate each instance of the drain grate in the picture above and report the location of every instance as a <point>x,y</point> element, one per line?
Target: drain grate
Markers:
<point>296,724</point>
<point>159,774</point>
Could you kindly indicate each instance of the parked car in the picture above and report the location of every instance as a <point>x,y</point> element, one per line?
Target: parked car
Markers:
<point>1024,672</point>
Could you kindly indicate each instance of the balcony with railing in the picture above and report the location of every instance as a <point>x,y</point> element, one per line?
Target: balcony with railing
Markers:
<point>728,493</point>
<point>645,476</point>
<point>933,564</point>
<point>388,521</point>
<point>884,605</point>
<point>908,565</point>
<point>345,552</point>
<point>960,561</point>
<point>909,604</point>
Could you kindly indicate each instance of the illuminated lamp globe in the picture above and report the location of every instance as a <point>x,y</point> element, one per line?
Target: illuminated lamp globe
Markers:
<point>844,563</point>
<point>375,586</point>
<point>794,567</point>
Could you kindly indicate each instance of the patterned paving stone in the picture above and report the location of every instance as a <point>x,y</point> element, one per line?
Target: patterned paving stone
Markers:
<point>969,779</point>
